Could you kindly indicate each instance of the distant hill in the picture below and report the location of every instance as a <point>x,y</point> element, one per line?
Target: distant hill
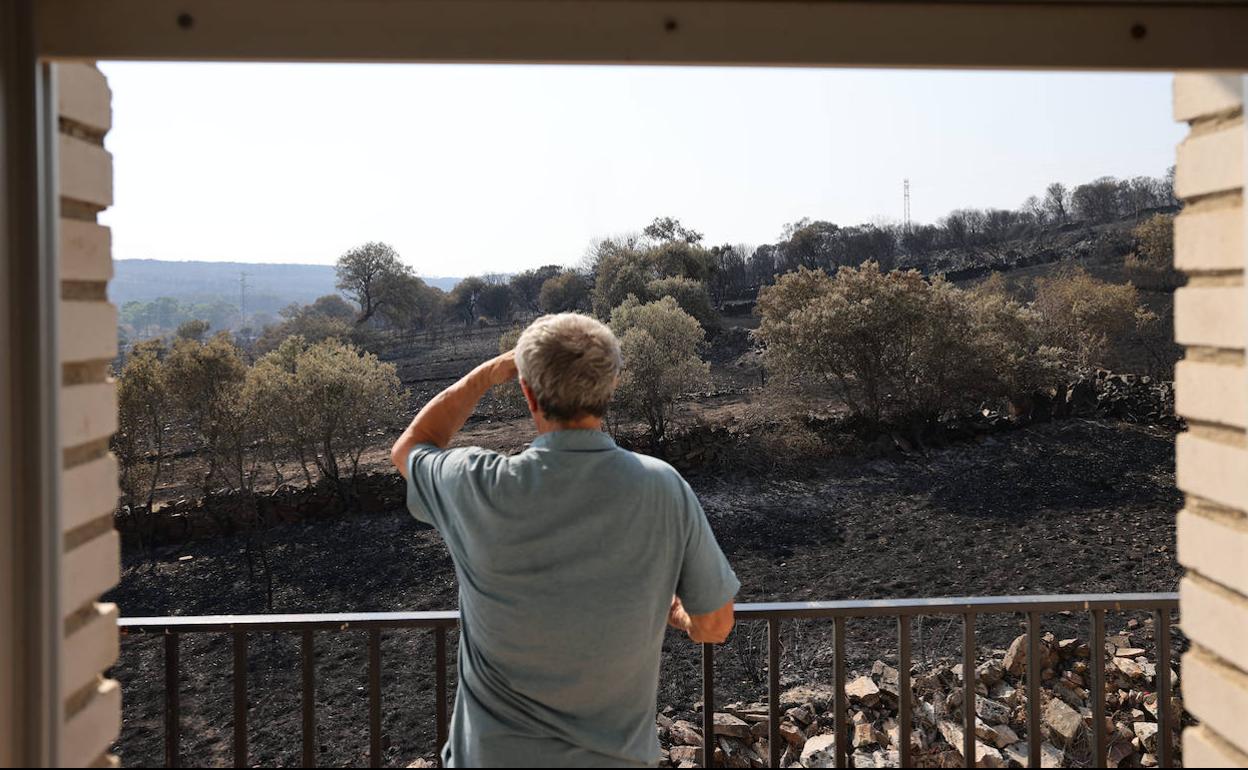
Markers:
<point>270,287</point>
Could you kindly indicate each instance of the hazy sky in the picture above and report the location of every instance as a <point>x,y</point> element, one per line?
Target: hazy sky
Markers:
<point>466,169</point>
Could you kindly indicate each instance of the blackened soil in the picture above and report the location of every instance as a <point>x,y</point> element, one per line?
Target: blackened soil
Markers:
<point>1068,507</point>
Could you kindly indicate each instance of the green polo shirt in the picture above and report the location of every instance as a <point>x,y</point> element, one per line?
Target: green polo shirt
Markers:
<point>567,556</point>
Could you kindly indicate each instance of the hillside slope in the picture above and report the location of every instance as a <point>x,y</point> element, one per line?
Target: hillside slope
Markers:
<point>270,286</point>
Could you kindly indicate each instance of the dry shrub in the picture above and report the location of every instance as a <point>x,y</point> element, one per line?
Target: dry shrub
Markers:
<point>144,411</point>
<point>326,402</point>
<point>689,294</point>
<point>660,344</point>
<point>1088,317</point>
<point>896,346</point>
<point>1151,267</point>
<point>566,292</point>
<point>791,441</point>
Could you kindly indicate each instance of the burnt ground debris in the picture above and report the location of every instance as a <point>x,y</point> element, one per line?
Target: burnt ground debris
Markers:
<point>1070,506</point>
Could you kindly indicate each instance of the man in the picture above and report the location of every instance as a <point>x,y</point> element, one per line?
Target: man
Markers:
<point>570,557</point>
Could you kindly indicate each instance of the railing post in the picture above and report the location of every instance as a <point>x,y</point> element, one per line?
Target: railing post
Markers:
<point>1033,688</point>
<point>374,697</point>
<point>173,722</point>
<point>903,689</point>
<point>773,692</point>
<point>839,710</point>
<point>240,699</point>
<point>1099,752</point>
<point>968,689</point>
<point>1162,623</point>
<point>708,705</point>
<point>439,678</point>
<point>309,701</point>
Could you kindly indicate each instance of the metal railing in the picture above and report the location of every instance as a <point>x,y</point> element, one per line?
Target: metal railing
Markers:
<point>904,610</point>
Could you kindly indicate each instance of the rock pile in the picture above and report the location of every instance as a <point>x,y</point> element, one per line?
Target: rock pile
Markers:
<point>1128,397</point>
<point>1135,399</point>
<point>1000,702</point>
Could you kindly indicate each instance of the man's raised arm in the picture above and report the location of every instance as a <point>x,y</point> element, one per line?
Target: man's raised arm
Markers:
<point>441,418</point>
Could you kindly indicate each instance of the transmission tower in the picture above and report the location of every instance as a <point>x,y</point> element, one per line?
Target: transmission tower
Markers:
<point>906,215</point>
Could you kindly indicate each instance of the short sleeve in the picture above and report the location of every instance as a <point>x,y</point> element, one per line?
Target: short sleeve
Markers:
<point>427,493</point>
<point>707,581</point>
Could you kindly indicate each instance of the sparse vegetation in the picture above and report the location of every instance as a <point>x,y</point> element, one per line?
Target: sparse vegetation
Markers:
<point>895,346</point>
<point>1151,267</point>
<point>566,292</point>
<point>367,273</point>
<point>139,443</point>
<point>1085,316</point>
<point>285,422</point>
<point>320,404</point>
<point>660,343</point>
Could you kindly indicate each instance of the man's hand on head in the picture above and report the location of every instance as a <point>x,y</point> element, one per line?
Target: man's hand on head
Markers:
<point>440,419</point>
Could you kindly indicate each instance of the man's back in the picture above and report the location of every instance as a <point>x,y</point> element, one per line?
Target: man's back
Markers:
<point>568,556</point>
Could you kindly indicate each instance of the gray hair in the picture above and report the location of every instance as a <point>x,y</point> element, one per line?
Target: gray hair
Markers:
<point>570,362</point>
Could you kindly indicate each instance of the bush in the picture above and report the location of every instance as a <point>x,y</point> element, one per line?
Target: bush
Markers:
<point>689,294</point>
<point>620,273</point>
<point>324,402</point>
<point>1087,316</point>
<point>143,412</point>
<point>659,342</point>
<point>1010,337</point>
<point>283,428</point>
<point>1152,264</point>
<point>205,385</point>
<point>194,329</point>
<point>564,293</point>
<point>329,317</point>
<point>894,346</point>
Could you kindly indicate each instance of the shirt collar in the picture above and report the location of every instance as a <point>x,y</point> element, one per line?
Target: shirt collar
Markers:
<point>575,440</point>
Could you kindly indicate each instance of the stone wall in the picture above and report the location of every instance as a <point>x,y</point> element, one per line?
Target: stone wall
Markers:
<point>88,417</point>
<point>1211,320</point>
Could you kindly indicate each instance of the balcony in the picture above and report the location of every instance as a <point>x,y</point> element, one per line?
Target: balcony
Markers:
<point>1091,609</point>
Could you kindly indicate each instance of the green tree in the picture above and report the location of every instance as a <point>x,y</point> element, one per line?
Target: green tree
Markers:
<point>465,299</point>
<point>1097,201</point>
<point>364,272</point>
<point>408,303</point>
<point>659,342</point>
<point>669,229</point>
<point>526,287</point>
<point>620,273</point>
<point>205,385</point>
<point>329,317</point>
<point>143,407</point>
<point>679,259</point>
<point>351,397</point>
<point>193,329</point>
<point>496,302</point>
<point>280,407</point>
<point>689,294</point>
<point>325,403</point>
<point>564,293</point>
